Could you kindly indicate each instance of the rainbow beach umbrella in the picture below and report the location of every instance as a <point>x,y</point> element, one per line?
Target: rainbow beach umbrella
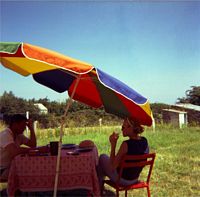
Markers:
<point>60,73</point>
<point>83,81</point>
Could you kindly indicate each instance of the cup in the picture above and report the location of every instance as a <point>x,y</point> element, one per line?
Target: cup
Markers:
<point>54,148</point>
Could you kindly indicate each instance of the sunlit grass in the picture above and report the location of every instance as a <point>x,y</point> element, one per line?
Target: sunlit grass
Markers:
<point>177,165</point>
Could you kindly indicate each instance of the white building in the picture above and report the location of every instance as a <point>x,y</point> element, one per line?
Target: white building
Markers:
<point>188,106</point>
<point>175,117</point>
<point>42,108</point>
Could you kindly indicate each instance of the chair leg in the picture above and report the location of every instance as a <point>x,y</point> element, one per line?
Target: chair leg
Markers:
<point>102,188</point>
<point>89,193</point>
<point>148,192</point>
<point>117,193</point>
<point>125,193</point>
<point>3,193</point>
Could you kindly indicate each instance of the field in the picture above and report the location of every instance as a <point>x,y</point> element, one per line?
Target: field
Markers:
<point>177,165</point>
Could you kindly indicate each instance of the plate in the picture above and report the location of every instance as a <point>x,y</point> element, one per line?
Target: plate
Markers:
<point>68,146</point>
<point>33,153</point>
<point>85,149</point>
<point>43,154</point>
<point>72,153</point>
<point>38,154</point>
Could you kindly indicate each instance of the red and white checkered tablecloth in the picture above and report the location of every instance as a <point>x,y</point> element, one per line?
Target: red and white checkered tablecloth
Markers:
<point>37,173</point>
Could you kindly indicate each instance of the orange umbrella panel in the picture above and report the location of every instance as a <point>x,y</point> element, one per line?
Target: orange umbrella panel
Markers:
<point>27,59</point>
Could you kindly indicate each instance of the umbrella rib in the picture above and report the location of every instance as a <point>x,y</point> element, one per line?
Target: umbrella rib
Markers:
<point>82,77</point>
<point>69,72</point>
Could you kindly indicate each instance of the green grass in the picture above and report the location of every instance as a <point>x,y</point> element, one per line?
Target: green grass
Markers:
<point>177,165</point>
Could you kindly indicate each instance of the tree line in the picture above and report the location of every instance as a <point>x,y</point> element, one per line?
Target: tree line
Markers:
<point>78,114</point>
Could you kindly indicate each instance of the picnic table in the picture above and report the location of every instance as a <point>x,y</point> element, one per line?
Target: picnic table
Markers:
<point>37,173</point>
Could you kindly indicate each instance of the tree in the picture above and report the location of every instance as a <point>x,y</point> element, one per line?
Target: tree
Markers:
<point>192,96</point>
<point>10,104</point>
<point>157,110</point>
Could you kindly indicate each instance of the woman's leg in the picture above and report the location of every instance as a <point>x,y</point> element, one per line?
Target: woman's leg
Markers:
<point>105,168</point>
<point>4,175</point>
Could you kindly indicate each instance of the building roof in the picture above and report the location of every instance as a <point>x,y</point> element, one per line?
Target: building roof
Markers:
<point>188,106</point>
<point>40,106</point>
<point>175,111</point>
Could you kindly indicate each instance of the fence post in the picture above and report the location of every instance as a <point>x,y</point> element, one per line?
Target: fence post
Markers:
<point>153,124</point>
<point>27,116</point>
<point>100,123</point>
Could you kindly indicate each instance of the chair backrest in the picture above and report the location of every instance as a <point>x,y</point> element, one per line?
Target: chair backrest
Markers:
<point>131,161</point>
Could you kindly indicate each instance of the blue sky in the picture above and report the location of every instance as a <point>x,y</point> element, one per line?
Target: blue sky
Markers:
<point>153,47</point>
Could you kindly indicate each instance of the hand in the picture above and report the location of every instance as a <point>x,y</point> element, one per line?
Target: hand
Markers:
<point>44,149</point>
<point>30,124</point>
<point>113,138</point>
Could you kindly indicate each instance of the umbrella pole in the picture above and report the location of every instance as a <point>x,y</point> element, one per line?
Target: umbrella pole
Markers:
<point>61,134</point>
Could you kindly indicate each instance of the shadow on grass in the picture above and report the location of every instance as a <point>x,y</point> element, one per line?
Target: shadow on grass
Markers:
<point>108,193</point>
<point>69,193</point>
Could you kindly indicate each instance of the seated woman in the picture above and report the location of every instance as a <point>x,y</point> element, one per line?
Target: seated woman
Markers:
<point>135,145</point>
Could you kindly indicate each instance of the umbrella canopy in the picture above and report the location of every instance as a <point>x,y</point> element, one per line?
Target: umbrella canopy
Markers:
<point>84,83</point>
<point>60,73</point>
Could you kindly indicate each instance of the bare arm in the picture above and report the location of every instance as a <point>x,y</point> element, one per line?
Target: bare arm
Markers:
<point>113,142</point>
<point>32,141</point>
<point>14,150</point>
<point>116,158</point>
<point>122,151</point>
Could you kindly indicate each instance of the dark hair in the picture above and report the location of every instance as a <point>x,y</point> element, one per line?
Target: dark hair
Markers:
<point>137,127</point>
<point>17,118</point>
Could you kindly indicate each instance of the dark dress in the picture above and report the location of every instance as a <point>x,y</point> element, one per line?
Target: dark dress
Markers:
<point>135,147</point>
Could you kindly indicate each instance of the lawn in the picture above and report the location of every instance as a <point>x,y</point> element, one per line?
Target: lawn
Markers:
<point>177,165</point>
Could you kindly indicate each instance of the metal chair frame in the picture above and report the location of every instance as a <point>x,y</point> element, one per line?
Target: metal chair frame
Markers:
<point>137,161</point>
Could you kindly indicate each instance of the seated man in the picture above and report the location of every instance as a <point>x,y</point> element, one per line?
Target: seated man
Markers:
<point>11,140</point>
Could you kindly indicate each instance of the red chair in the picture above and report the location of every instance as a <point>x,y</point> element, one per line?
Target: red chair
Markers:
<point>134,161</point>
